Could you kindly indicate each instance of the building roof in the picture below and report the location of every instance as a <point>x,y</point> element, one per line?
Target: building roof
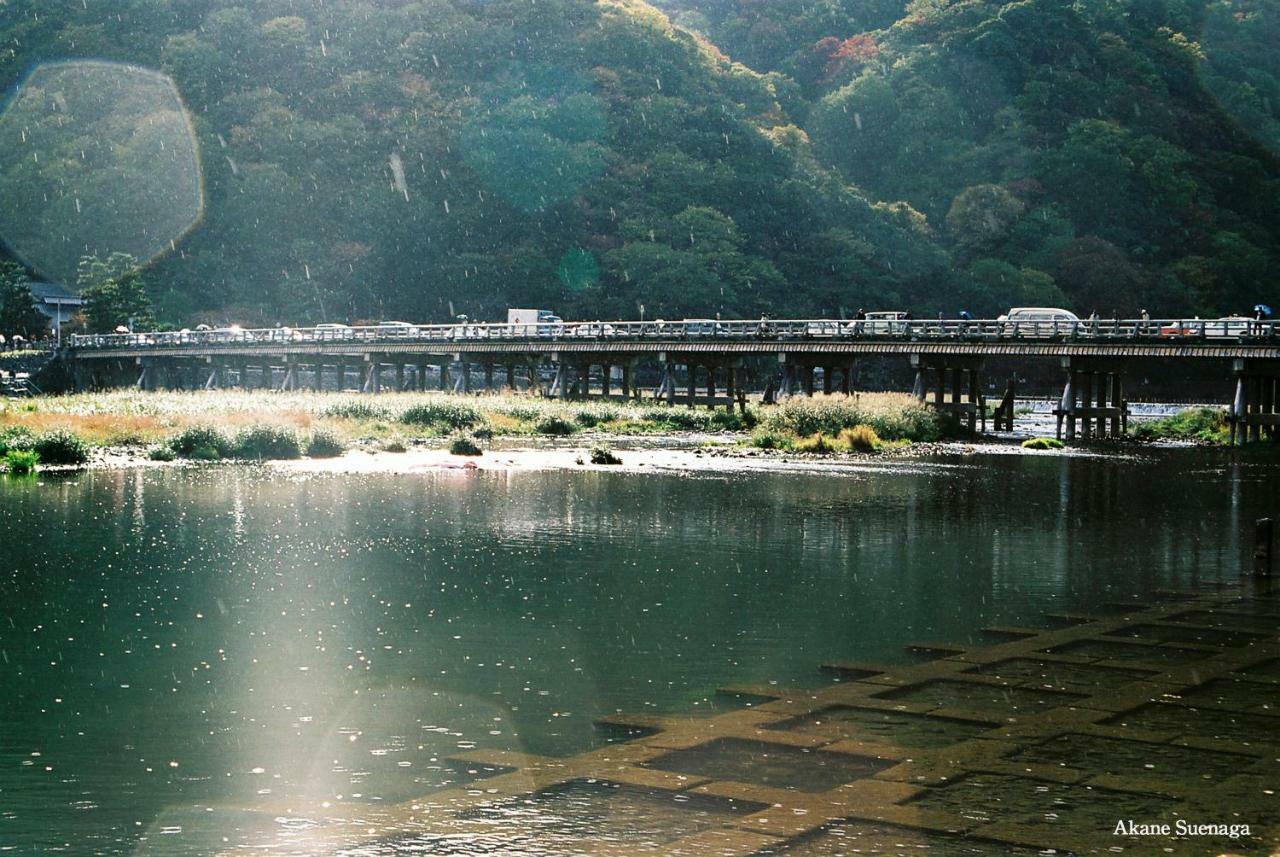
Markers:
<point>54,293</point>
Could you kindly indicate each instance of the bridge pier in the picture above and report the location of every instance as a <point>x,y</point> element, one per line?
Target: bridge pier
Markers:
<point>290,370</point>
<point>799,375</point>
<point>965,374</point>
<point>1254,410</point>
<point>666,389</point>
<point>1002,419</point>
<point>1093,395</point>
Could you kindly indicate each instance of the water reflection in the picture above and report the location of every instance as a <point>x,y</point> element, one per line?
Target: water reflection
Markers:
<point>189,653</point>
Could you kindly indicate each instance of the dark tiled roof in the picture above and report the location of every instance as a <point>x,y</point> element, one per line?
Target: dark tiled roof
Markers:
<point>54,291</point>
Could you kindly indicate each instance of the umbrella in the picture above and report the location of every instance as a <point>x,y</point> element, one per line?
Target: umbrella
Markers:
<point>1264,309</point>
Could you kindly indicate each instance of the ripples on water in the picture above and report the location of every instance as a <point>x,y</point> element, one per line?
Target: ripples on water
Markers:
<point>175,644</point>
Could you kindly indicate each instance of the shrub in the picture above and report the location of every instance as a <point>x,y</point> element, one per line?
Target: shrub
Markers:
<point>816,443</point>
<point>1042,443</point>
<point>355,409</point>
<point>161,453</point>
<point>602,453</point>
<point>60,446</point>
<point>893,416</point>
<point>193,438</point>
<point>681,419</point>
<point>267,442</point>
<point>769,439</point>
<point>861,439</point>
<point>554,425</point>
<point>21,460</point>
<point>394,444</point>
<point>16,437</point>
<point>464,444</point>
<point>442,414</point>
<point>733,421</point>
<point>324,443</point>
<point>1202,424</point>
<point>525,413</point>
<point>592,417</point>
<point>205,453</point>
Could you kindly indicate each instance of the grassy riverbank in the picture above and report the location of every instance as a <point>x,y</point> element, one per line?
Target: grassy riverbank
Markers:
<point>235,424</point>
<point>1197,425</point>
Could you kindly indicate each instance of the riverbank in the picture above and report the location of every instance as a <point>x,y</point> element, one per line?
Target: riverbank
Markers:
<point>211,425</point>
<point>346,433</point>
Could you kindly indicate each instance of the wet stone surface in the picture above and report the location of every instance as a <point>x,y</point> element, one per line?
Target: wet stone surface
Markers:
<point>984,798</point>
<point>1100,755</point>
<point>1261,623</point>
<point>1077,678</point>
<point>854,837</point>
<point>1117,651</point>
<point>569,817</point>
<point>1253,697</point>
<point>1173,634</point>
<point>995,700</point>
<point>891,728</point>
<point>1188,721</point>
<point>1266,669</point>
<point>762,763</point>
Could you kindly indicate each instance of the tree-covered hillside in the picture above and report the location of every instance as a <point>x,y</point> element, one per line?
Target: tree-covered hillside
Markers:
<point>1105,154</point>
<point>428,158</point>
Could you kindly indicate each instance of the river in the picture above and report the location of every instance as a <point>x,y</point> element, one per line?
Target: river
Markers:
<point>177,638</point>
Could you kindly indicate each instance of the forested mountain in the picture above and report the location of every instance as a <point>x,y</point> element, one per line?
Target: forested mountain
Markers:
<point>427,158</point>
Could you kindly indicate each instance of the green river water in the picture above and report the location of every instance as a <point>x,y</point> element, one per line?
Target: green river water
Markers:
<point>175,638</point>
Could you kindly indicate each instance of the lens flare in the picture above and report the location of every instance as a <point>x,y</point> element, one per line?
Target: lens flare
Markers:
<point>96,158</point>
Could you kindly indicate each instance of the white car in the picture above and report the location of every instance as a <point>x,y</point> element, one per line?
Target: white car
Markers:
<point>593,329</point>
<point>396,328</point>
<point>332,330</point>
<point>880,323</point>
<point>234,333</point>
<point>469,331</point>
<point>1228,327</point>
<point>1038,322</point>
<point>823,329</point>
<point>698,327</point>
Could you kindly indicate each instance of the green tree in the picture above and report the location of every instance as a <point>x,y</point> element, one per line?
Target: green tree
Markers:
<point>18,313</point>
<point>982,215</point>
<point>115,294</point>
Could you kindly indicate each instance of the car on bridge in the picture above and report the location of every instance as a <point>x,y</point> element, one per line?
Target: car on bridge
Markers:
<point>880,323</point>
<point>468,331</point>
<point>330,331</point>
<point>232,333</point>
<point>704,327</point>
<point>592,329</point>
<point>1038,322</point>
<point>822,329</point>
<point>396,329</point>
<point>1229,327</point>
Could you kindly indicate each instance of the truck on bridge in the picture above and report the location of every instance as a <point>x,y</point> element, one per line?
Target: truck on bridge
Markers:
<point>535,321</point>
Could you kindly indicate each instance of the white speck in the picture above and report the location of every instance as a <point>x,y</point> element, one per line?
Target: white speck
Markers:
<point>397,174</point>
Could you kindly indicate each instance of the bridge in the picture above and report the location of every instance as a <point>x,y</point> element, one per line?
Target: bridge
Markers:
<point>557,360</point>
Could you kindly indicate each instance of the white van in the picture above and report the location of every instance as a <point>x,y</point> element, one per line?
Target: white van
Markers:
<point>1038,321</point>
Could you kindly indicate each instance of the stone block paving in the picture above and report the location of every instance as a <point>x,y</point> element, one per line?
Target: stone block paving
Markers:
<point>1037,744</point>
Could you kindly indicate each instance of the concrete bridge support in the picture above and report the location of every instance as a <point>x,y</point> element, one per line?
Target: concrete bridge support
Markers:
<point>1092,399</point>
<point>1255,408</point>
